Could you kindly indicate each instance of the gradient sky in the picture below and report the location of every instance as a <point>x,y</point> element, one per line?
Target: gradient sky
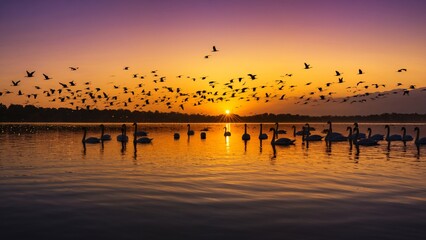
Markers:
<point>267,38</point>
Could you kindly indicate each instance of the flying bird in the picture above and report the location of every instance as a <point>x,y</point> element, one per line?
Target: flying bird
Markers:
<point>214,49</point>
<point>252,76</point>
<point>15,83</point>
<point>73,68</point>
<point>402,70</point>
<point>338,73</point>
<point>30,74</point>
<point>46,77</point>
<point>307,66</point>
<point>360,72</point>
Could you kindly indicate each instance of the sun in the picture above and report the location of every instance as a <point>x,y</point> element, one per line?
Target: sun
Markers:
<point>227,111</point>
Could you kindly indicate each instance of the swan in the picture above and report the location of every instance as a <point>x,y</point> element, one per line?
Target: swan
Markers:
<point>245,136</point>
<point>190,132</point>
<point>90,139</point>
<point>298,133</point>
<point>360,135</point>
<point>278,131</point>
<point>334,136</point>
<point>280,141</point>
<point>226,134</point>
<point>176,136</point>
<point>419,141</point>
<point>392,138</point>
<point>139,133</point>
<point>262,135</point>
<point>203,135</point>
<point>377,137</point>
<point>143,140</point>
<point>104,137</point>
<point>363,141</point>
<point>309,137</point>
<point>405,137</point>
<point>123,137</point>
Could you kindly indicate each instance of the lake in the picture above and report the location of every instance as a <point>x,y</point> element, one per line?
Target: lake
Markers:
<point>54,187</point>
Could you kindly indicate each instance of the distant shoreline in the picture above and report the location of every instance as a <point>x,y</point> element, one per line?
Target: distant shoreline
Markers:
<point>32,114</point>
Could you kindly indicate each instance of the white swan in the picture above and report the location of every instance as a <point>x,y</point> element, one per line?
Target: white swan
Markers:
<point>90,139</point>
<point>405,136</point>
<point>377,137</point>
<point>280,141</point>
<point>392,138</point>
<point>419,141</point>
<point>104,137</point>
<point>139,133</point>
<point>226,134</point>
<point>190,132</point>
<point>363,141</point>
<point>308,137</point>
<point>334,136</point>
<point>245,136</point>
<point>123,137</point>
<point>262,135</point>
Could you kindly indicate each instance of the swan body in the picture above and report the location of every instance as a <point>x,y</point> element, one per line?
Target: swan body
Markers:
<point>139,133</point>
<point>392,138</point>
<point>143,140</point>
<point>262,135</point>
<point>226,134</point>
<point>281,141</point>
<point>245,136</point>
<point>203,135</point>
<point>190,132</point>
<point>123,137</point>
<point>419,141</point>
<point>279,131</point>
<point>405,136</point>
<point>90,139</point>
<point>377,137</point>
<point>334,136</point>
<point>176,136</point>
<point>299,133</point>
<point>364,141</point>
<point>104,137</point>
<point>309,137</point>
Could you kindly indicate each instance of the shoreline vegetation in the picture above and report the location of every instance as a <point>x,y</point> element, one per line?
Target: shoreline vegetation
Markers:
<point>30,113</point>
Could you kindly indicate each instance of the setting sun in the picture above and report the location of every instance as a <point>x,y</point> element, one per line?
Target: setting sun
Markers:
<point>227,111</point>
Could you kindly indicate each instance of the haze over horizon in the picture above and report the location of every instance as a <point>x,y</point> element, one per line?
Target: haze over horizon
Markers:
<point>269,39</point>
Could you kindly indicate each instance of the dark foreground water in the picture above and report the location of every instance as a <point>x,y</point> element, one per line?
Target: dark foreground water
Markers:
<point>52,187</point>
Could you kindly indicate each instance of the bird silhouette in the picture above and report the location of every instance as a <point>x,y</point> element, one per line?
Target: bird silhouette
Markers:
<point>402,70</point>
<point>338,73</point>
<point>15,83</point>
<point>46,77</point>
<point>30,74</point>
<point>360,72</point>
<point>307,66</point>
<point>214,49</point>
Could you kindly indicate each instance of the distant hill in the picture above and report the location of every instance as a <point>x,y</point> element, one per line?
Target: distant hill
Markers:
<point>29,113</point>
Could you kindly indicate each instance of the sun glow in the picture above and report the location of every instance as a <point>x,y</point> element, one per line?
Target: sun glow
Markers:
<point>227,112</point>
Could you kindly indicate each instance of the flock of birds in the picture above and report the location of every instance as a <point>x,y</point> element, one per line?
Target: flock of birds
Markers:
<point>154,90</point>
<point>354,136</point>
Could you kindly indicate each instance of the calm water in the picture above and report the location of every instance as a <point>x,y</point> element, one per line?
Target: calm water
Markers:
<point>51,187</point>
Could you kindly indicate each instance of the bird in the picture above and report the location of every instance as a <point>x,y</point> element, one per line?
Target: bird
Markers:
<point>338,73</point>
<point>123,137</point>
<point>73,68</point>
<point>207,56</point>
<point>90,139</point>
<point>262,135</point>
<point>176,136</point>
<point>307,66</point>
<point>402,70</point>
<point>281,141</point>
<point>360,135</point>
<point>334,136</point>
<point>363,141</point>
<point>252,76</point>
<point>30,74</point>
<point>142,140</point>
<point>214,49</point>
<point>203,135</point>
<point>298,133</point>
<point>308,136</point>
<point>392,138</point>
<point>405,136</point>
<point>190,132</point>
<point>360,72</point>
<point>104,137</point>
<point>46,77</point>
<point>15,83</point>
<point>279,131</point>
<point>419,141</point>
<point>377,137</point>
<point>227,133</point>
<point>245,136</point>
<point>139,133</point>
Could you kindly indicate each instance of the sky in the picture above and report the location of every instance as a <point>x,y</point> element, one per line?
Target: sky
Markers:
<point>268,38</point>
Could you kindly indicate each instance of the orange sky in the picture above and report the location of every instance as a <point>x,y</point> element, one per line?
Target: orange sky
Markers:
<point>266,38</point>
